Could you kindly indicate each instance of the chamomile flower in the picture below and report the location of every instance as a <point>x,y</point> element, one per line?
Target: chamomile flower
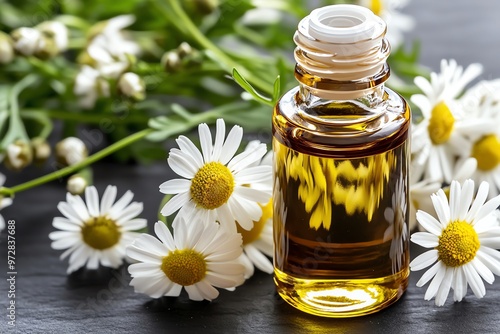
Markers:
<point>4,202</point>
<point>198,256</point>
<point>441,135</point>
<point>110,48</point>
<point>463,239</point>
<point>482,102</point>
<point>93,233</point>
<point>397,231</point>
<point>397,22</point>
<point>216,185</point>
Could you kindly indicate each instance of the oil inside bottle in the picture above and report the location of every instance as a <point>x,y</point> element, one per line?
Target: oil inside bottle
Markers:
<point>340,205</point>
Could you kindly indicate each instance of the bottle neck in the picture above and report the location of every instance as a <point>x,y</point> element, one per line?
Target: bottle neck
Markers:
<point>341,53</point>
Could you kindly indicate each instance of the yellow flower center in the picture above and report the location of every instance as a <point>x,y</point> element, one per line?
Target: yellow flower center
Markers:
<point>487,152</point>
<point>212,185</point>
<point>458,244</point>
<point>376,6</point>
<point>440,124</point>
<point>101,233</point>
<point>184,267</point>
<point>254,233</point>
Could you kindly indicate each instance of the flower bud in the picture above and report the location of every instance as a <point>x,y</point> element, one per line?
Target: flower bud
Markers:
<point>27,41</point>
<point>70,151</point>
<point>41,150</point>
<point>57,32</point>
<point>6,49</point>
<point>171,62</point>
<point>131,85</point>
<point>184,49</point>
<point>18,155</point>
<point>76,184</point>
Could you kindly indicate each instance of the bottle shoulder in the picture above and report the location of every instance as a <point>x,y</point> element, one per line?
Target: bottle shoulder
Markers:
<point>347,128</point>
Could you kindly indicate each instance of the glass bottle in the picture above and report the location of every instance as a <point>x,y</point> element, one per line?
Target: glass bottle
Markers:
<point>341,158</point>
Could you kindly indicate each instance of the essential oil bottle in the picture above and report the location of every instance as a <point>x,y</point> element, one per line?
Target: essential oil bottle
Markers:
<point>341,158</point>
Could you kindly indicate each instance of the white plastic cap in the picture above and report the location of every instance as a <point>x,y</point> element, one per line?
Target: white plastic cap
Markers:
<point>344,24</point>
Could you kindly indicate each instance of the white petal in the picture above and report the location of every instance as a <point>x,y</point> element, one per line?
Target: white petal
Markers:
<point>205,141</point>
<point>231,144</point>
<point>175,186</point>
<point>254,195</point>
<point>131,211</point>
<point>460,285</point>
<point>182,164</point>
<point>441,206</point>
<point>175,203</point>
<point>69,212</point>
<point>488,208</point>
<point>207,291</point>
<point>430,273</point>
<point>163,233</point>
<point>445,286</point>
<point>260,261</point>
<point>474,280</point>
<point>433,288</point>
<point>424,260</point>
<point>108,198</point>
<point>143,255</point>
<point>482,194</point>
<point>429,223</point>
<point>66,224</point>
<point>483,270</point>
<point>424,239</point>
<point>187,146</point>
<point>134,224</point>
<point>92,199</point>
<point>121,203</point>
<point>220,133</point>
<point>194,293</point>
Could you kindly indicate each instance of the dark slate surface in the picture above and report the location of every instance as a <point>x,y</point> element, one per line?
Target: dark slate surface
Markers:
<point>49,301</point>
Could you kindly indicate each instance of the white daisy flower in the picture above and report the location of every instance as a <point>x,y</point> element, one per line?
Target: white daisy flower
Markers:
<point>217,186</point>
<point>110,48</point>
<point>93,233</point>
<point>4,202</point>
<point>198,257</point>
<point>463,241</point>
<point>397,22</point>
<point>397,231</point>
<point>441,135</point>
<point>89,85</point>
<point>482,102</point>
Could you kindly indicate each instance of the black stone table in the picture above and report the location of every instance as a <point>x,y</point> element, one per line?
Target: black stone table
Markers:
<point>49,301</point>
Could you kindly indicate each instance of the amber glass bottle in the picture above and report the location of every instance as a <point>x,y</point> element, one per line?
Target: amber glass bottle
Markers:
<point>341,158</point>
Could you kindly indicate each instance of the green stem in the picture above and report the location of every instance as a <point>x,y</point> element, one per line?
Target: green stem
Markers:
<point>183,23</point>
<point>84,118</point>
<point>74,168</point>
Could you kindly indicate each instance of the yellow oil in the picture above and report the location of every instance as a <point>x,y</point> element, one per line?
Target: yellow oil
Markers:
<point>341,206</point>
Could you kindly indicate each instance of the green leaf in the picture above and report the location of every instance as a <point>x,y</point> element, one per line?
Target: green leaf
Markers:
<point>277,86</point>
<point>248,88</point>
